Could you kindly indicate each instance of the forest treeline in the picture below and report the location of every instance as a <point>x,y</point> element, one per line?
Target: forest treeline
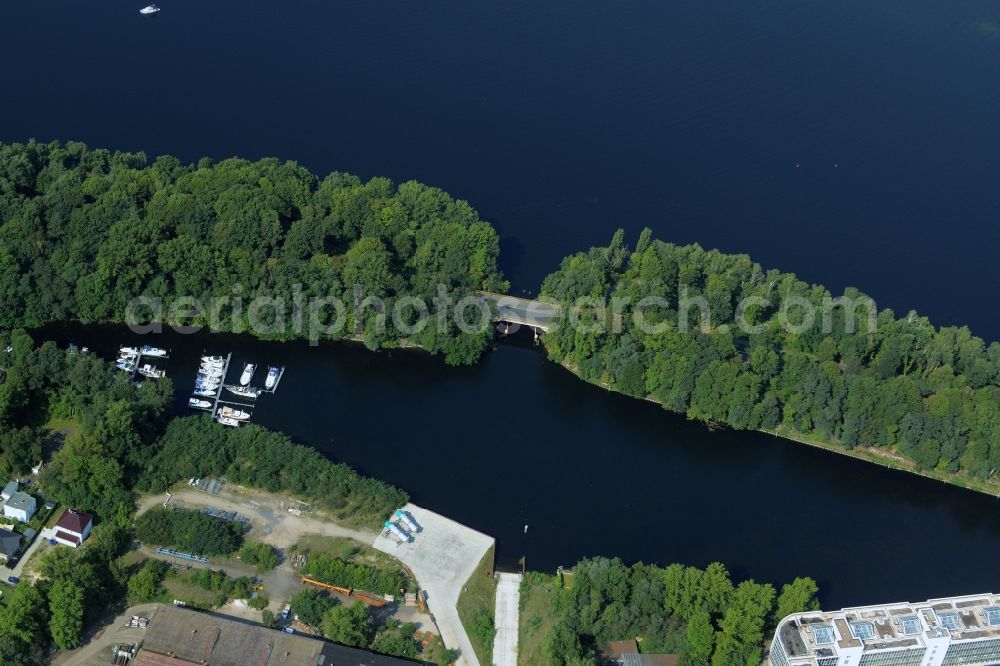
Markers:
<point>899,385</point>
<point>84,232</point>
<point>253,456</point>
<point>699,614</point>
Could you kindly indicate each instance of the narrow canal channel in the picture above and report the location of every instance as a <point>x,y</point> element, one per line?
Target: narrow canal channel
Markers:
<point>516,441</point>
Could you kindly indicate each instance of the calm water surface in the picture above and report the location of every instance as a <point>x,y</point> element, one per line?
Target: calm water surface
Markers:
<point>854,143</point>
<point>516,440</point>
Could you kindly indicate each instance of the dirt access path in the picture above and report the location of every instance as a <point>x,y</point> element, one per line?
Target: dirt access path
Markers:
<point>275,520</point>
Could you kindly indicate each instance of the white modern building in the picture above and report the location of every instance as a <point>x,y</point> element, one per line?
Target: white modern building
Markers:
<point>956,631</point>
<point>20,506</point>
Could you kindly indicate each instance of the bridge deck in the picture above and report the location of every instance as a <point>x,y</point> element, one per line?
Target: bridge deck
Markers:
<point>523,311</point>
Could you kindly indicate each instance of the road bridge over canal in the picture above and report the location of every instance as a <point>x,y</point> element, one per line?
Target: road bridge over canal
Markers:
<point>522,311</point>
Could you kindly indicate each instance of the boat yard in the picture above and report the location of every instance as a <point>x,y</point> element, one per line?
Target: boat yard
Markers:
<point>442,556</point>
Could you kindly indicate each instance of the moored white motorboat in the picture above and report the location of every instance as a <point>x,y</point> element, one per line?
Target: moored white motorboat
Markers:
<point>149,9</point>
<point>205,393</point>
<point>213,360</point>
<point>233,423</point>
<point>210,371</point>
<point>247,375</point>
<point>195,403</point>
<point>244,391</point>
<point>272,377</point>
<point>230,413</point>
<point>128,350</point>
<point>147,350</point>
<point>148,370</point>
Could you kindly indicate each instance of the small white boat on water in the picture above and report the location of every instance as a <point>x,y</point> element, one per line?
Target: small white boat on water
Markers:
<point>149,9</point>
<point>195,403</point>
<point>210,372</point>
<point>127,367</point>
<point>272,377</point>
<point>153,351</point>
<point>131,351</point>
<point>233,423</point>
<point>243,391</point>
<point>205,393</point>
<point>237,414</point>
<point>206,387</point>
<point>214,360</point>
<point>148,370</point>
<point>247,375</point>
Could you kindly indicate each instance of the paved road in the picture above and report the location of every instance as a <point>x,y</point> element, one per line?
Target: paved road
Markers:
<point>40,539</point>
<point>442,557</point>
<point>98,650</point>
<point>523,311</point>
<point>505,642</point>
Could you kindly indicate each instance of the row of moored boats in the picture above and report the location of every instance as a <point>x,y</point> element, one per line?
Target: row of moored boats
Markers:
<point>209,384</point>
<point>129,358</point>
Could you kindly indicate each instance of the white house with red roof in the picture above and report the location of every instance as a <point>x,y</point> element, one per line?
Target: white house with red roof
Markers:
<point>73,528</point>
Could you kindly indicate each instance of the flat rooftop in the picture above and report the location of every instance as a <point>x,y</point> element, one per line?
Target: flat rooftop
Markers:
<point>179,637</point>
<point>806,637</point>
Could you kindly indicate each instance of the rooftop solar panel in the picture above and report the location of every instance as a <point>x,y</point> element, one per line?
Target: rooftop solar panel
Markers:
<point>910,624</point>
<point>863,630</point>
<point>993,616</point>
<point>823,634</point>
<point>949,620</point>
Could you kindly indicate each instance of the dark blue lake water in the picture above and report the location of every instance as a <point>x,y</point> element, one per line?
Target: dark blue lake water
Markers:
<point>854,143</point>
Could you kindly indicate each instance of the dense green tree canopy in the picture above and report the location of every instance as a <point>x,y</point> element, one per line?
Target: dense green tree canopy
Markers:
<point>188,531</point>
<point>697,613</point>
<point>726,341</point>
<point>83,232</point>
<point>310,605</point>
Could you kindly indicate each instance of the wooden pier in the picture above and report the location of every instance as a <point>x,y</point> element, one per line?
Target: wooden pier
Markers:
<point>222,383</point>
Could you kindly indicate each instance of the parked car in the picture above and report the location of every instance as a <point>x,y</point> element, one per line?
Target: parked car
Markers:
<point>13,580</point>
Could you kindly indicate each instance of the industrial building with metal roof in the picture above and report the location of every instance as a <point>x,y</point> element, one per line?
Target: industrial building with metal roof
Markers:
<point>181,637</point>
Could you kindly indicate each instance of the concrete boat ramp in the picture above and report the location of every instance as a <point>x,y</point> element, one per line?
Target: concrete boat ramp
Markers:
<point>442,556</point>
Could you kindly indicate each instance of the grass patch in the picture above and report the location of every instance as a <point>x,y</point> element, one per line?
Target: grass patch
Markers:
<point>177,587</point>
<point>536,617</point>
<point>343,548</point>
<point>434,651</point>
<point>476,606</point>
<point>352,551</point>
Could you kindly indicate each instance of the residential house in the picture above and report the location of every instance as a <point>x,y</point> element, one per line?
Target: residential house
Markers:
<point>10,545</point>
<point>20,507</point>
<point>8,490</point>
<point>73,528</point>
